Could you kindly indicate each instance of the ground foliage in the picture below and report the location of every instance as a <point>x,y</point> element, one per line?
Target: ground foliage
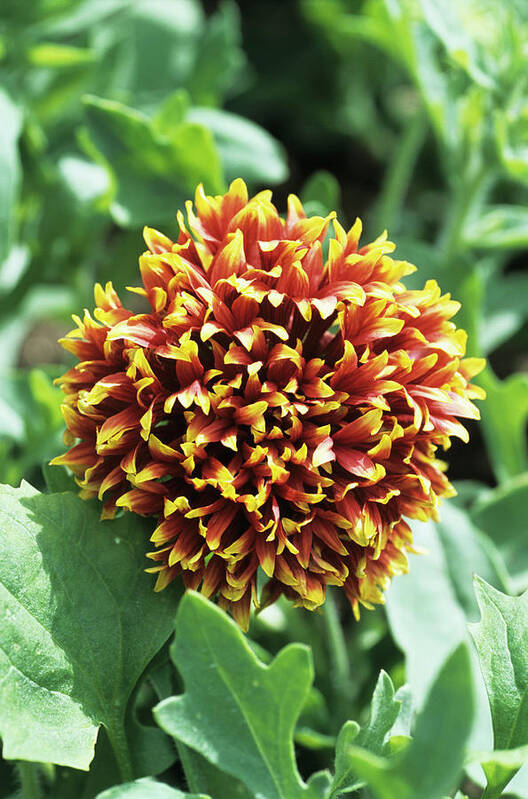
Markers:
<point>411,113</point>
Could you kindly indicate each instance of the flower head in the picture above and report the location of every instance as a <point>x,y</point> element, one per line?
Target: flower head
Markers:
<point>275,407</point>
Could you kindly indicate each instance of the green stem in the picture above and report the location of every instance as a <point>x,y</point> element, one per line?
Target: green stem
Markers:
<point>492,792</point>
<point>118,739</point>
<point>399,173</point>
<point>29,782</point>
<point>194,783</point>
<point>337,646</point>
<point>464,196</point>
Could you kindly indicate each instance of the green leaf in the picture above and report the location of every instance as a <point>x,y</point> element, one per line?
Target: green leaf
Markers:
<point>498,766</point>
<point>344,776</point>
<point>457,27</point>
<point>511,133</point>
<point>10,171</point>
<point>246,149</point>
<point>225,680</point>
<point>162,42</point>
<point>201,775</point>
<point>507,501</point>
<point>467,551</point>
<point>429,636</point>
<point>147,789</point>
<point>321,193</point>
<point>85,181</point>
<point>504,417</point>
<point>505,310</point>
<point>153,172</point>
<point>80,624</point>
<point>502,645</point>
<point>172,111</point>
<point>53,55</point>
<point>499,227</point>
<point>220,64</point>
<point>384,710</point>
<point>432,763</point>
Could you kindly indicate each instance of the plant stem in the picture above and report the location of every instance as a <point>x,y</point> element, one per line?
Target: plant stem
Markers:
<point>118,739</point>
<point>399,173</point>
<point>193,781</point>
<point>464,197</point>
<point>29,782</point>
<point>493,792</point>
<point>337,646</point>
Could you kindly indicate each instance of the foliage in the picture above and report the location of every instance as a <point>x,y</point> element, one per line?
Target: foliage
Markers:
<point>411,113</point>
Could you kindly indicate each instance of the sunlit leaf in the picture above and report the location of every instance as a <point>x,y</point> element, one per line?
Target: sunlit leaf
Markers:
<point>147,789</point>
<point>432,763</point>
<point>154,173</point>
<point>246,149</point>
<point>225,680</point>
<point>504,418</point>
<point>502,645</point>
<point>80,624</point>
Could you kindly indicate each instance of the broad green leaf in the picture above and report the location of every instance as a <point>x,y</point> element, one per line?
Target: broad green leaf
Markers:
<point>426,637</point>
<point>384,710</point>
<point>225,680</point>
<point>80,624</point>
<point>153,173</point>
<point>147,789</point>
<point>163,41</point>
<point>246,149</point>
<point>10,172</point>
<point>467,551</point>
<point>507,502</point>
<point>429,636</point>
<point>431,765</point>
<point>504,418</point>
<point>501,638</point>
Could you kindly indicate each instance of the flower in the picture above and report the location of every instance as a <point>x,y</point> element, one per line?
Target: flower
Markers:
<point>275,407</point>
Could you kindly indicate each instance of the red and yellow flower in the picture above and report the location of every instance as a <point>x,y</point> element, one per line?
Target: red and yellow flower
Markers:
<point>274,408</point>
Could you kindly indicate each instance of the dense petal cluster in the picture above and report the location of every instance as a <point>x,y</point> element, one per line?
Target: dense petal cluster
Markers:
<point>278,406</point>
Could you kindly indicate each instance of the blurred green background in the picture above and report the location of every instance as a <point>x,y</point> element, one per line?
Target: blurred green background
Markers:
<point>412,114</point>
